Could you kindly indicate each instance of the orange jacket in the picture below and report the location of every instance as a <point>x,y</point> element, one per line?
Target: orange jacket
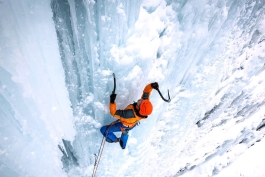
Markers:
<point>130,115</point>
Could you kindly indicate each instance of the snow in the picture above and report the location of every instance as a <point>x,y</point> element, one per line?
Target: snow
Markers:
<point>56,65</point>
<point>244,165</point>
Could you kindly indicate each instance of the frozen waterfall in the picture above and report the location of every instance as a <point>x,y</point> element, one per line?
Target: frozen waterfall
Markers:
<point>56,63</point>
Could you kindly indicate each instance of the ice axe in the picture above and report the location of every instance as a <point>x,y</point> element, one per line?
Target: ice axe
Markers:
<point>166,100</point>
<point>114,78</point>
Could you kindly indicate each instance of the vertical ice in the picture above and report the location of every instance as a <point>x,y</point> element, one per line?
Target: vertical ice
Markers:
<point>56,61</point>
<point>35,110</point>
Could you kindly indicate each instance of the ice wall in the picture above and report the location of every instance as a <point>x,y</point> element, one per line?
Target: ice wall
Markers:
<point>86,32</point>
<point>206,53</point>
<point>56,62</point>
<point>35,110</point>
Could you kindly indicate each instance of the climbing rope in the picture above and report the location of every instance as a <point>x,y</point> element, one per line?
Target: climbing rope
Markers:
<point>97,160</point>
<point>99,156</point>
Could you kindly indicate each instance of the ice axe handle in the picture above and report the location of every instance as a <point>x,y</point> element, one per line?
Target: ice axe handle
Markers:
<point>114,78</point>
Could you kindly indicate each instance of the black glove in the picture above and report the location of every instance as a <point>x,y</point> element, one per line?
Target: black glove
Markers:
<point>112,97</point>
<point>155,85</point>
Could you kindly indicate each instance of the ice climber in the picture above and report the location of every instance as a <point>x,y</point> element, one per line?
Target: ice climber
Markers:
<point>128,118</point>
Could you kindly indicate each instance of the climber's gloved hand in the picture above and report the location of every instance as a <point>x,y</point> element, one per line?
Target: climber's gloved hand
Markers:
<point>155,85</point>
<point>112,97</point>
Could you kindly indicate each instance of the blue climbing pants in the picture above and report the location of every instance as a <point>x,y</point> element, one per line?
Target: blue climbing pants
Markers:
<point>107,132</point>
